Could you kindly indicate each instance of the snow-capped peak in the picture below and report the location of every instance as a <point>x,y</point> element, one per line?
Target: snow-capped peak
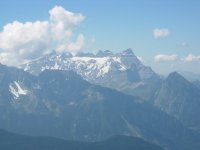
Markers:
<point>90,66</point>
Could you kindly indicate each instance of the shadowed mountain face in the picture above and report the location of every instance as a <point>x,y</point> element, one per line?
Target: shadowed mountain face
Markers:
<point>10,141</point>
<point>122,71</point>
<point>61,104</point>
<point>196,83</point>
<point>181,99</point>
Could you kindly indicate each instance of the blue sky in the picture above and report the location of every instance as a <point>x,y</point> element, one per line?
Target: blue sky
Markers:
<point>118,25</point>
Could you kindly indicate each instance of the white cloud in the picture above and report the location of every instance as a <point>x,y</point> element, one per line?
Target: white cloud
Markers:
<point>174,57</point>
<point>165,58</point>
<point>161,33</point>
<point>23,41</point>
<point>24,38</point>
<point>191,58</point>
<point>62,23</point>
<point>80,42</point>
<point>171,63</point>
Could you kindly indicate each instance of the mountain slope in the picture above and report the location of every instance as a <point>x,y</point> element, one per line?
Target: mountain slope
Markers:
<point>196,83</point>
<point>122,71</point>
<point>180,98</point>
<point>10,141</point>
<point>61,104</point>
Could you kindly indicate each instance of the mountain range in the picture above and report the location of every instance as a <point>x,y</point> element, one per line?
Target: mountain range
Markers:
<point>124,72</point>
<point>91,97</point>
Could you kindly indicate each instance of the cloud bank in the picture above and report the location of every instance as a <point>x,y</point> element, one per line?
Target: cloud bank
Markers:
<point>165,58</point>
<point>191,58</point>
<point>20,42</point>
<point>164,64</point>
<point>172,58</point>
<point>160,33</point>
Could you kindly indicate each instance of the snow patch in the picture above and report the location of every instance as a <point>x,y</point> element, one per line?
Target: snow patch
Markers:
<point>101,64</point>
<point>17,90</point>
<point>55,67</point>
